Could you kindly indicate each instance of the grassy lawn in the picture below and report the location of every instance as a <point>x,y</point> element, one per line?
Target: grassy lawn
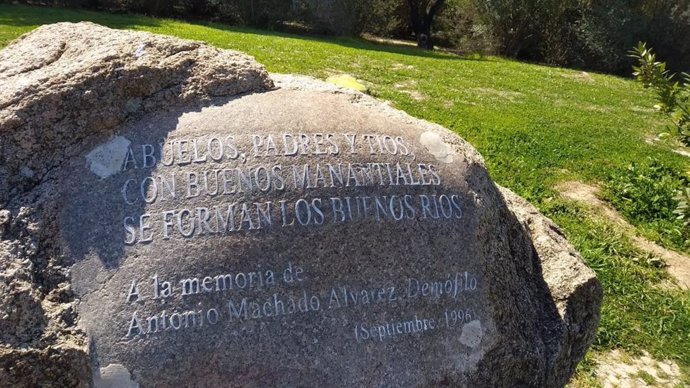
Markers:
<point>535,125</point>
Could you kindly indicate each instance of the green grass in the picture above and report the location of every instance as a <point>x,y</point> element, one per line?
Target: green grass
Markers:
<point>647,378</point>
<point>535,126</point>
<point>639,311</point>
<point>645,193</point>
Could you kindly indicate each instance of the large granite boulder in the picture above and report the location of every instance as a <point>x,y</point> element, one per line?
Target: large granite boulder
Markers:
<point>171,215</point>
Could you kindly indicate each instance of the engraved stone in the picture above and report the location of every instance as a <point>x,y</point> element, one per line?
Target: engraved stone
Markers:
<point>298,235</point>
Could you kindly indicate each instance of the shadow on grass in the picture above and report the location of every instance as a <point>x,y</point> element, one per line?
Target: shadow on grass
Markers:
<point>350,42</point>
<point>29,16</point>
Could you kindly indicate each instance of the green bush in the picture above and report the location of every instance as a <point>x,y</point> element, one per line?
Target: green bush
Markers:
<point>513,23</point>
<point>653,74</point>
<point>588,34</point>
<point>673,96</point>
<point>646,193</point>
<point>673,99</point>
<point>384,18</point>
<point>460,27</point>
<point>602,31</point>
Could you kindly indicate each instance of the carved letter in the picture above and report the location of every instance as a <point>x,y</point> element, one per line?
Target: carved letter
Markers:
<point>130,231</point>
<point>134,324</point>
<point>133,292</point>
<point>147,153</point>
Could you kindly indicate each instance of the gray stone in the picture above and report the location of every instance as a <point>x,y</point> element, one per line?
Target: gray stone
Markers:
<point>65,82</point>
<point>302,235</point>
<point>62,85</point>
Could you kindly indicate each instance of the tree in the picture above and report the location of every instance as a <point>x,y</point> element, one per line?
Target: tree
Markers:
<point>422,14</point>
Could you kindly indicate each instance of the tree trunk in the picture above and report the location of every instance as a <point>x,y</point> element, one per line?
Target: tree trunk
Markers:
<point>421,21</point>
<point>424,37</point>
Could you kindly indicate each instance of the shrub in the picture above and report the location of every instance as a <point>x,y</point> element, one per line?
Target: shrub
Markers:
<point>386,18</point>
<point>588,34</point>
<point>459,26</point>
<point>647,194</point>
<point>602,31</point>
<point>674,100</point>
<point>653,74</point>
<point>513,24</point>
<point>673,97</point>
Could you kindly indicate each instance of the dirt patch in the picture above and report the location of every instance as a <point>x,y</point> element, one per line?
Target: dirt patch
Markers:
<point>415,95</point>
<point>581,76</point>
<point>652,139</point>
<point>642,109</point>
<point>598,109</point>
<point>405,43</point>
<point>408,87</point>
<point>580,192</point>
<point>618,369</point>
<point>401,66</point>
<point>678,263</point>
<point>682,152</point>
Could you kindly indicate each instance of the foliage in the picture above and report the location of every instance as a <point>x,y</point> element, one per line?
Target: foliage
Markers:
<point>599,33</point>
<point>646,193</point>
<point>653,74</point>
<point>681,118</point>
<point>673,97</point>
<point>384,18</point>
<point>516,24</point>
<point>588,34</point>
<point>683,208</point>
<point>460,27</point>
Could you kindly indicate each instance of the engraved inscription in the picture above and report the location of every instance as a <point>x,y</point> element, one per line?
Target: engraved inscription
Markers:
<point>211,186</point>
<point>286,292</point>
<point>232,172</point>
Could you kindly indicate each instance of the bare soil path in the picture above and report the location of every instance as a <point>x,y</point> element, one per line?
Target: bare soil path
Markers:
<point>678,264</point>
